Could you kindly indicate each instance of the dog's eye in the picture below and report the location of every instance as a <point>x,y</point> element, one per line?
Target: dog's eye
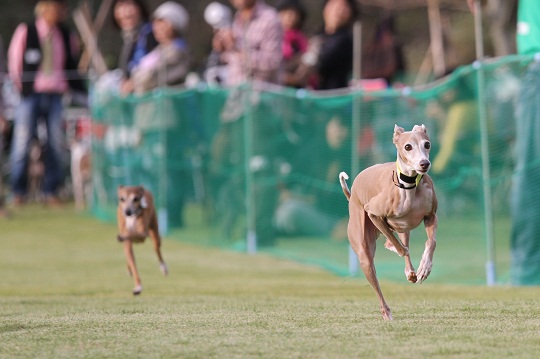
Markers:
<point>122,199</point>
<point>408,147</point>
<point>136,199</point>
<point>427,145</point>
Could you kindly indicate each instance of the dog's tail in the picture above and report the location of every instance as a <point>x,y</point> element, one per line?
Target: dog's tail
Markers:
<point>343,177</point>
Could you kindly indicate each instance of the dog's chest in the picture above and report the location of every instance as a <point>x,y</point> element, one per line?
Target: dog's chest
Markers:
<point>411,211</point>
<point>131,223</point>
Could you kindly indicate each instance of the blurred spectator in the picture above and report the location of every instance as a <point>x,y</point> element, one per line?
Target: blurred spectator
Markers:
<point>168,63</point>
<point>131,18</point>
<point>252,47</point>
<point>219,17</point>
<point>42,66</point>
<point>328,62</point>
<point>383,56</point>
<point>160,120</point>
<point>295,42</point>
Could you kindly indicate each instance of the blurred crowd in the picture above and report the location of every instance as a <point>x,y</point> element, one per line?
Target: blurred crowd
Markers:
<point>251,41</point>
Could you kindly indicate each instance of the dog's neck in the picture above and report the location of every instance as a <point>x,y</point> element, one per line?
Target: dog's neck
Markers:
<point>406,179</point>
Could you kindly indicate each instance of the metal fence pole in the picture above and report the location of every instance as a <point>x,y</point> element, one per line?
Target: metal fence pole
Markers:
<point>486,176</point>
<point>251,234</point>
<point>356,118</point>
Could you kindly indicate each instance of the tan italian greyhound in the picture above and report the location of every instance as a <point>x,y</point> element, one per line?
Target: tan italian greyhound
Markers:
<point>137,219</point>
<point>394,197</point>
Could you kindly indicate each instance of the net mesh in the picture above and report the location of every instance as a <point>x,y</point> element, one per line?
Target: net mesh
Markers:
<point>259,164</point>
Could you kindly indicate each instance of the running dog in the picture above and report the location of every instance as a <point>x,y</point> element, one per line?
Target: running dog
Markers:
<point>137,219</point>
<point>394,197</point>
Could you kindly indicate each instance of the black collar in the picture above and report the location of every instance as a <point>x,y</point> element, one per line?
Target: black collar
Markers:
<point>407,179</point>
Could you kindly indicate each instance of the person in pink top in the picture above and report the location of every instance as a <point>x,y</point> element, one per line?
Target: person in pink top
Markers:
<point>295,42</point>
<point>42,67</point>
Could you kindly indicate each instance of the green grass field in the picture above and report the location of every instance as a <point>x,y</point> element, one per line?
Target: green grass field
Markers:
<point>64,293</point>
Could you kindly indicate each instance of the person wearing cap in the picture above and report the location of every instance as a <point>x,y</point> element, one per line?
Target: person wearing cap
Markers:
<point>42,67</point>
<point>160,119</point>
<point>168,64</point>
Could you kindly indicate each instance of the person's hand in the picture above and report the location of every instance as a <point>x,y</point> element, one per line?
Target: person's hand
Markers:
<point>126,88</point>
<point>223,40</point>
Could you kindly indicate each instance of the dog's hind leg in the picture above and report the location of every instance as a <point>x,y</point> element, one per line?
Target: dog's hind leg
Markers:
<point>366,256</point>
<point>132,268</point>
<point>153,231</point>
<point>363,237</point>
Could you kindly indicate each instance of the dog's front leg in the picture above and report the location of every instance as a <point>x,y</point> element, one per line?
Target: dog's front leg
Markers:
<point>156,240</point>
<point>409,269</point>
<point>128,251</point>
<point>426,263</point>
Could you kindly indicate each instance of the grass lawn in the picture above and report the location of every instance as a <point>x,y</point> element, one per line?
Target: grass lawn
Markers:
<point>64,293</point>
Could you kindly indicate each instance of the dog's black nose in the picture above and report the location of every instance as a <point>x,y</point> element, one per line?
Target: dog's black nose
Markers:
<point>425,164</point>
<point>128,212</point>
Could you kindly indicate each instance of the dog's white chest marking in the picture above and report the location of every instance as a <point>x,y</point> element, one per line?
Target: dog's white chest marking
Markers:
<point>130,223</point>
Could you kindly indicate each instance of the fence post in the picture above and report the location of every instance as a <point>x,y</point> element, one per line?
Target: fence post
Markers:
<point>484,139</point>
<point>356,118</point>
<point>251,234</point>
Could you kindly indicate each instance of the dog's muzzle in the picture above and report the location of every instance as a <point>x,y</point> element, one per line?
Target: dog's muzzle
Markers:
<point>424,165</point>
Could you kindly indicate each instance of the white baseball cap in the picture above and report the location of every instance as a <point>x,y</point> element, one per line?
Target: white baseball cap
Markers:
<point>174,13</point>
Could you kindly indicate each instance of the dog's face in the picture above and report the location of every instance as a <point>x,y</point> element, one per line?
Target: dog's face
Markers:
<point>413,147</point>
<point>131,200</point>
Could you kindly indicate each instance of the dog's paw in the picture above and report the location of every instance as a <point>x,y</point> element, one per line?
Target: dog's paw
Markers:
<point>424,270</point>
<point>386,313</point>
<point>119,238</point>
<point>390,246</point>
<point>164,269</point>
<point>411,276</point>
<point>137,290</point>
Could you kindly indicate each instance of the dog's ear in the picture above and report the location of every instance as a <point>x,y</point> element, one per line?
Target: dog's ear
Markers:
<point>420,128</point>
<point>140,190</point>
<point>397,131</point>
<point>144,203</point>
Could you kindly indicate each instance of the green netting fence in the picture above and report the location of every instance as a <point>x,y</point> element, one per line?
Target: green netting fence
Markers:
<point>255,168</point>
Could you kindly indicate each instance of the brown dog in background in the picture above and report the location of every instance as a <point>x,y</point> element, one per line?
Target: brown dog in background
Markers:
<point>137,219</point>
